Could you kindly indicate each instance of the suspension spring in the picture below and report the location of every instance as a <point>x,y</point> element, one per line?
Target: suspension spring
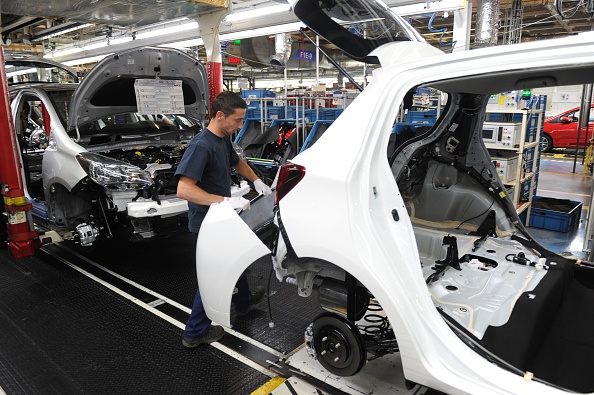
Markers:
<point>373,323</point>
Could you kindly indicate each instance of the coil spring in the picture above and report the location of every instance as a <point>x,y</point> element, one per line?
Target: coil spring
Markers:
<point>374,324</point>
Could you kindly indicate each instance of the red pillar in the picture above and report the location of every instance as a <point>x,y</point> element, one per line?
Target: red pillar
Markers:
<point>215,79</point>
<point>22,236</point>
<point>208,26</point>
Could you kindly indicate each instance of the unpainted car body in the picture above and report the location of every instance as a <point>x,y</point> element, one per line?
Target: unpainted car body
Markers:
<point>425,229</point>
<point>93,163</point>
<point>561,130</point>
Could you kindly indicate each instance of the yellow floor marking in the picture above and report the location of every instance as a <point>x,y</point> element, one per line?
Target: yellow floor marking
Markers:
<point>269,386</point>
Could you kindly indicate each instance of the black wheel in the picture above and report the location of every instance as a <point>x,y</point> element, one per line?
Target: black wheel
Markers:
<point>546,143</point>
<point>339,345</point>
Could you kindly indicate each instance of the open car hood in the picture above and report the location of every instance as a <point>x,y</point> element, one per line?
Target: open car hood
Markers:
<point>109,88</point>
<point>341,22</point>
<point>31,68</point>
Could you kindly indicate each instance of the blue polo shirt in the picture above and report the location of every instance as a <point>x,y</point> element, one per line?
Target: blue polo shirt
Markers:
<point>208,160</point>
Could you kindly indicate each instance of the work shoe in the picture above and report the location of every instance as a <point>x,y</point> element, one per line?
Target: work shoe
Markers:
<point>214,333</point>
<point>256,298</point>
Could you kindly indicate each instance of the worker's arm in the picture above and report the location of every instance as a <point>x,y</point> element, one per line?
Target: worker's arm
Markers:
<point>246,171</point>
<point>188,190</point>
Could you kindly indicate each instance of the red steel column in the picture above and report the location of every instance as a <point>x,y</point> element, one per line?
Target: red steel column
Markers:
<point>208,25</point>
<point>22,236</point>
<point>215,79</point>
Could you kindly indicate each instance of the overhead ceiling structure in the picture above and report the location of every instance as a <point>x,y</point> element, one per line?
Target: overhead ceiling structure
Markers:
<point>85,28</point>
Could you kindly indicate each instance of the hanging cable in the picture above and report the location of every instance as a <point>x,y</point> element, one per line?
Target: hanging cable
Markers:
<point>433,30</point>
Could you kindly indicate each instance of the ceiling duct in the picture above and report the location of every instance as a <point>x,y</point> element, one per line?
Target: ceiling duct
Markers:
<point>487,23</point>
<point>257,52</point>
<point>282,47</point>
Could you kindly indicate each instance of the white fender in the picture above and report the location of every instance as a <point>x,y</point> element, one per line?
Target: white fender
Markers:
<point>220,261</point>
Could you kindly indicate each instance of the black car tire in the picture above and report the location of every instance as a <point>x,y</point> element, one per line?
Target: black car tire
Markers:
<point>546,143</point>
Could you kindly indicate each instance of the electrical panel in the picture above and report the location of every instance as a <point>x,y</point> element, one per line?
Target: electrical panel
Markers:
<point>506,168</point>
<point>504,101</point>
<point>502,134</point>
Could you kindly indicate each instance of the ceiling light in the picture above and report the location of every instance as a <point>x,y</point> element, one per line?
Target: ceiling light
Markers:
<point>436,6</point>
<point>65,52</point>
<point>258,12</point>
<point>91,59</point>
<point>264,31</point>
<point>59,32</point>
<point>168,30</point>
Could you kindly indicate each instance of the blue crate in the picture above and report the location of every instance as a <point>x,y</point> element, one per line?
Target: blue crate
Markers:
<point>429,116</point>
<point>559,221</point>
<point>257,94</point>
<point>303,113</point>
<point>252,113</point>
<point>275,112</point>
<point>532,121</point>
<point>310,115</point>
<point>329,114</point>
<point>504,117</point>
<point>525,188</point>
<point>529,154</point>
<point>423,91</point>
<point>531,135</point>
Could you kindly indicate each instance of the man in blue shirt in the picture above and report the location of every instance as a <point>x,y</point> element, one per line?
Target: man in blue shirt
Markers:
<point>204,179</point>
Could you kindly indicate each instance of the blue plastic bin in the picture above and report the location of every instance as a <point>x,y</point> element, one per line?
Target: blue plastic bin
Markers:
<point>257,94</point>
<point>555,220</point>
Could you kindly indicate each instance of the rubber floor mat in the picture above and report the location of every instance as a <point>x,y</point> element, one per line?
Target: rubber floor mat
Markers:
<point>63,333</point>
<point>168,267</point>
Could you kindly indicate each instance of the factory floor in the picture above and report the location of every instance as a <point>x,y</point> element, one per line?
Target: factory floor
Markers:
<point>562,176</point>
<point>110,320</point>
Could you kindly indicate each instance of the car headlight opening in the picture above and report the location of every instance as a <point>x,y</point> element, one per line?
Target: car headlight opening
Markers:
<point>113,174</point>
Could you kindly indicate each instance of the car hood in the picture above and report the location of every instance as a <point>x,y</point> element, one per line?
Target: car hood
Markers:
<point>39,67</point>
<point>342,23</point>
<point>109,88</point>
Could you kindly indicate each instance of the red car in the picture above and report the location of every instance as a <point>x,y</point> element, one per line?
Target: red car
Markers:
<point>560,131</point>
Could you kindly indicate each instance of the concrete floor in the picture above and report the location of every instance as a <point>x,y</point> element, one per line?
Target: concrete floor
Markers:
<point>560,178</point>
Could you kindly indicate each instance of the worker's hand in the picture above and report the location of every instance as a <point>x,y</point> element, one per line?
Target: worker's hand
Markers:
<point>239,203</point>
<point>262,188</point>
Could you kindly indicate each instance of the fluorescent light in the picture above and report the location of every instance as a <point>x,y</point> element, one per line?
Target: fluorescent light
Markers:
<point>65,52</point>
<point>117,41</point>
<point>89,47</point>
<point>60,32</point>
<point>98,45</point>
<point>91,59</point>
<point>184,44</point>
<point>258,12</point>
<point>263,31</point>
<point>168,30</point>
<point>436,6</point>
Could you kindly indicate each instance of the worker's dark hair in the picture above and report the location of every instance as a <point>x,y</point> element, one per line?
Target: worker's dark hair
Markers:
<point>226,102</point>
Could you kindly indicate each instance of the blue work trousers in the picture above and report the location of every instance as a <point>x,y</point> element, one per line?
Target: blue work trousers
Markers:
<point>198,323</point>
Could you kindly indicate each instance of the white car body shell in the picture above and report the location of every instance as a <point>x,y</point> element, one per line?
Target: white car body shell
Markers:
<point>341,212</point>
